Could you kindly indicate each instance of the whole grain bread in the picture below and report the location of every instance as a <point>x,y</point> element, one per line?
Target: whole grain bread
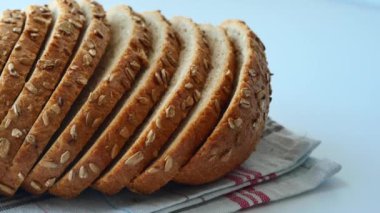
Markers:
<point>130,112</point>
<point>42,82</point>
<point>124,58</point>
<point>239,130</point>
<point>92,46</point>
<point>11,26</point>
<point>202,120</point>
<point>193,67</point>
<point>23,56</point>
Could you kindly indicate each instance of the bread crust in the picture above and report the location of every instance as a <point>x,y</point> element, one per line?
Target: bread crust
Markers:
<point>23,56</point>
<point>11,26</point>
<point>117,133</point>
<point>60,102</point>
<point>41,84</point>
<point>193,134</point>
<point>239,130</point>
<point>97,107</point>
<point>147,145</point>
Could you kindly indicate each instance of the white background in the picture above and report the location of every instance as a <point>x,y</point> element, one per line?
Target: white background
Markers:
<point>325,56</point>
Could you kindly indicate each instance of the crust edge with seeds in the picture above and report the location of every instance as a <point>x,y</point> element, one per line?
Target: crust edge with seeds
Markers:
<point>240,128</point>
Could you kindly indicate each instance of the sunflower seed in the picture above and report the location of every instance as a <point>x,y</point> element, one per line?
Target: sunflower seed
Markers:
<point>30,139</point>
<point>135,65</point>
<point>87,59</point>
<point>16,133</point>
<point>252,73</point>
<point>73,132</point>
<point>31,88</point>
<point>187,103</point>
<point>114,151</point>
<point>55,108</point>
<point>101,100</point>
<point>94,168</point>
<point>170,111</point>
<point>134,159</point>
<point>64,157</point>
<point>83,172</point>
<point>143,100</point>
<point>96,122</point>
<point>244,103</point>
<point>76,24</point>
<point>50,182</point>
<point>66,28</point>
<point>81,80</point>
<point>189,85</point>
<point>46,64</point>
<point>206,64</point>
<point>226,156</point>
<point>152,170</point>
<point>158,123</point>
<point>17,30</point>
<point>41,20</point>
<point>246,92</point>
<point>33,36</point>
<point>49,164</point>
<point>16,109</point>
<point>92,52</point>
<point>150,137</point>
<point>35,185</point>
<point>171,59</point>
<point>45,118</point>
<point>70,176</point>
<point>18,46</point>
<point>6,189</point>
<point>20,176</point>
<point>7,122</point>
<point>124,132</point>
<point>11,70</point>
<point>89,120</point>
<point>130,73</point>
<point>158,78</point>
<point>5,145</point>
<point>168,164</point>
<point>99,34</point>
<point>164,76</point>
<point>238,122</point>
<point>197,95</point>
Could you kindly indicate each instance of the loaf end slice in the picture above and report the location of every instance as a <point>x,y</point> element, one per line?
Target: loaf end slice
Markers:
<point>92,46</point>
<point>236,135</point>
<point>193,67</point>
<point>125,57</point>
<point>202,120</point>
<point>130,112</point>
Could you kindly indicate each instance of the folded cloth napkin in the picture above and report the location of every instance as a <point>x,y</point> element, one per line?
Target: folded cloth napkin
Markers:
<point>280,168</point>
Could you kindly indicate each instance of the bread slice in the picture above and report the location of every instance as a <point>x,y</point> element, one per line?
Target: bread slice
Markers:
<point>241,126</point>
<point>11,26</point>
<point>124,58</point>
<point>23,56</point>
<point>46,75</point>
<point>172,109</point>
<point>202,120</point>
<point>78,73</point>
<point>142,98</point>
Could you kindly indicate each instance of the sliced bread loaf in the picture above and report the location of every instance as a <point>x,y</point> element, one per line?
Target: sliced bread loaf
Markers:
<point>92,46</point>
<point>11,25</point>
<point>131,111</point>
<point>37,90</point>
<point>125,57</point>
<point>172,109</point>
<point>202,120</point>
<point>241,126</point>
<point>23,56</point>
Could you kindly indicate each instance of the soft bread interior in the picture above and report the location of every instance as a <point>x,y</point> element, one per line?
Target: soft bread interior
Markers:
<point>121,28</point>
<point>219,62</point>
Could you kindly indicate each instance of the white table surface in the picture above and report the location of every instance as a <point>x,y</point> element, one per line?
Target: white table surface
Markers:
<point>325,56</point>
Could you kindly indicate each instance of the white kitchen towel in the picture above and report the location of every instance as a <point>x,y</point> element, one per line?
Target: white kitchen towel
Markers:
<point>280,153</point>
